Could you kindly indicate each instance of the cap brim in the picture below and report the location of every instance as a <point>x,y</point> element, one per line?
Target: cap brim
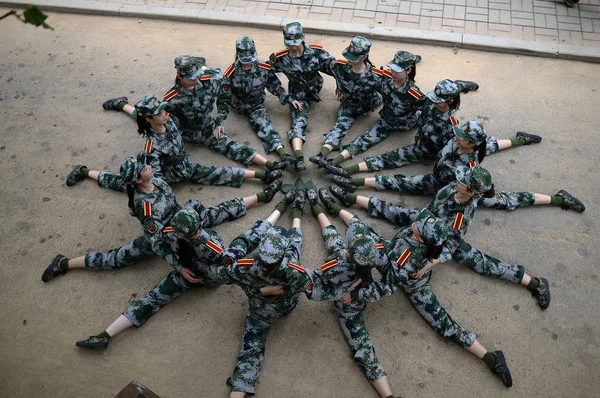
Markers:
<point>434,98</point>
<point>394,67</point>
<point>296,42</point>
<point>161,107</point>
<point>461,177</point>
<point>461,134</point>
<point>248,59</point>
<point>351,57</point>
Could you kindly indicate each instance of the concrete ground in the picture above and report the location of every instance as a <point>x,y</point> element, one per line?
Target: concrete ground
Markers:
<point>51,86</point>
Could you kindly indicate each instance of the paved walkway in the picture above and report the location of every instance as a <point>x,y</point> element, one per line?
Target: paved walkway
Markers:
<point>535,20</point>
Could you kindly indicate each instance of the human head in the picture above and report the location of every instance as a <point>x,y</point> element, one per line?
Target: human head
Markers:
<point>432,230</point>
<point>150,106</point>
<point>131,168</point>
<point>471,131</point>
<point>477,179</point>
<point>272,248</point>
<point>293,34</point>
<point>362,249</point>
<point>403,60</point>
<point>189,67</point>
<point>186,222</point>
<point>246,50</point>
<point>358,48</point>
<point>445,91</point>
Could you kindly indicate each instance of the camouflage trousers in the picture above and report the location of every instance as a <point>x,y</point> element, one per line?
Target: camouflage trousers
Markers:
<point>395,214</point>
<point>508,200</point>
<point>129,254</point>
<point>225,145</point>
<point>110,180</point>
<point>263,128</point>
<point>186,171</point>
<point>346,117</point>
<point>167,290</point>
<point>190,171</point>
<point>412,154</point>
<point>486,265</point>
<point>441,322</point>
<point>424,184</point>
<point>377,133</point>
<point>353,327</point>
<point>247,241</point>
<point>299,121</point>
<point>333,283</point>
<point>250,360</point>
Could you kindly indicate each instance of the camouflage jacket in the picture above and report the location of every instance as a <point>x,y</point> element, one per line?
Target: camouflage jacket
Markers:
<point>335,277</point>
<point>358,90</point>
<point>435,128</point>
<point>155,210</point>
<point>247,273</point>
<point>164,149</point>
<point>209,246</point>
<point>305,81</point>
<point>193,108</point>
<point>245,90</point>
<point>457,216</point>
<point>400,105</point>
<point>448,160</point>
<point>406,257</point>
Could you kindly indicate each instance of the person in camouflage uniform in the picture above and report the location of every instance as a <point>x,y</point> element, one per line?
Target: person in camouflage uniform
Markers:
<point>198,244</point>
<point>434,130</point>
<point>402,101</point>
<point>357,81</point>
<point>455,204</point>
<point>411,252</point>
<point>301,64</point>
<point>165,153</point>
<point>243,88</point>
<point>153,202</point>
<point>190,103</point>
<point>276,263</point>
<point>467,150</point>
<point>349,265</point>
<point>436,125</point>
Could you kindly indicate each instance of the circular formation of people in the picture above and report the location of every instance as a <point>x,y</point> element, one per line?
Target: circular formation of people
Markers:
<point>265,261</point>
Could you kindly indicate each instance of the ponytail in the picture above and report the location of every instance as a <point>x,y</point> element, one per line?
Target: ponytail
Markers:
<point>491,193</point>
<point>130,195</point>
<point>413,72</point>
<point>481,151</point>
<point>186,254</point>
<point>143,125</point>
<point>455,103</point>
<point>433,252</point>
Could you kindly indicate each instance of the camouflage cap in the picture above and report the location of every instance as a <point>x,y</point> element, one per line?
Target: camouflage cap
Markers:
<point>292,34</point>
<point>188,66</point>
<point>272,246</point>
<point>471,131</point>
<point>444,91</point>
<point>358,48</point>
<point>186,222</point>
<point>477,179</point>
<point>432,229</point>
<point>149,106</point>
<point>246,50</point>
<point>363,249</point>
<point>131,168</point>
<point>402,61</point>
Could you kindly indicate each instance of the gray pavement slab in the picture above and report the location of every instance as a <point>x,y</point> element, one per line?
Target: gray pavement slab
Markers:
<point>550,29</point>
<point>52,84</point>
